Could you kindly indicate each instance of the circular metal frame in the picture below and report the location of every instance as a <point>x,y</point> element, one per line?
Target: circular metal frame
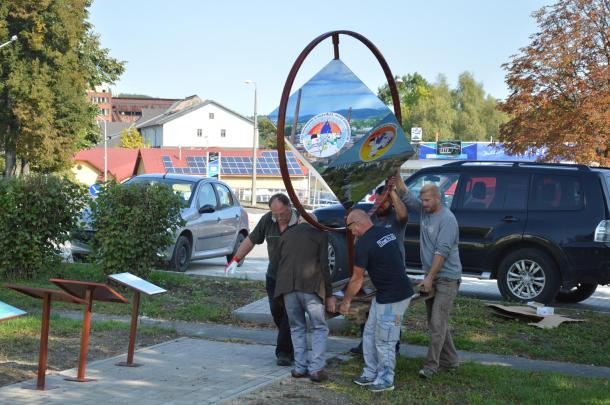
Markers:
<point>281,119</point>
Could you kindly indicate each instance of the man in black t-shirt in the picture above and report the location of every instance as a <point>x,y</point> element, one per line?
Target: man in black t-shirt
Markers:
<point>378,253</point>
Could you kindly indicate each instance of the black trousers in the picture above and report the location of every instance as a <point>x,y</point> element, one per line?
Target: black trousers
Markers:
<point>280,318</point>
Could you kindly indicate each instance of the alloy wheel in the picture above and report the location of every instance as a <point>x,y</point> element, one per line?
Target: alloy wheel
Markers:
<point>525,279</point>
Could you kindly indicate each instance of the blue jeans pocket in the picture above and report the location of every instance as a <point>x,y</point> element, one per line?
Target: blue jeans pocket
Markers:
<point>389,327</point>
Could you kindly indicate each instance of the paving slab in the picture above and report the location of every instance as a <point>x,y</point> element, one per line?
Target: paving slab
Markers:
<point>258,312</point>
<point>181,371</point>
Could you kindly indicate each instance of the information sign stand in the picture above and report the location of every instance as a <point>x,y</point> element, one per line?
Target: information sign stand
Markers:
<point>139,286</point>
<point>88,292</point>
<point>47,295</point>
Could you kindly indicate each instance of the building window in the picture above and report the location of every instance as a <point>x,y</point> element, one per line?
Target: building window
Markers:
<point>211,115</point>
<point>223,133</point>
<point>199,132</point>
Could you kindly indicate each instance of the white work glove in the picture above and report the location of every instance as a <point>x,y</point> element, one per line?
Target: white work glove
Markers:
<point>232,266</point>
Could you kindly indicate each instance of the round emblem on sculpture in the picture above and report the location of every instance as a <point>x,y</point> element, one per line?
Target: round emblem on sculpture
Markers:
<point>325,134</point>
<point>378,142</point>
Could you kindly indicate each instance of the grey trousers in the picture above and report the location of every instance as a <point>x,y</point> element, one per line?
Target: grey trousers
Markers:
<point>441,352</point>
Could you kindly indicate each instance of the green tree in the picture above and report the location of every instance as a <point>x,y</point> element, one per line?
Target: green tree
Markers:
<point>464,113</point>
<point>267,133</point>
<point>131,138</point>
<point>434,113</point>
<point>45,116</point>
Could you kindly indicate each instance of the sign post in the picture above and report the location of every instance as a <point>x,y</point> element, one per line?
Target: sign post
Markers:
<point>87,292</point>
<point>138,285</point>
<point>47,295</point>
<point>214,164</point>
<point>416,134</point>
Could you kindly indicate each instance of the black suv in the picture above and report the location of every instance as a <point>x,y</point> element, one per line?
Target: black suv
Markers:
<point>542,230</point>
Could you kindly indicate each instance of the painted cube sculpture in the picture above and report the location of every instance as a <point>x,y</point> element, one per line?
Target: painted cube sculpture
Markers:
<point>344,132</point>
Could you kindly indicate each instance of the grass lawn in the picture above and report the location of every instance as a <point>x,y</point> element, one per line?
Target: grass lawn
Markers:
<point>20,342</point>
<point>476,329</point>
<point>188,298</point>
<point>472,384</point>
<point>199,299</point>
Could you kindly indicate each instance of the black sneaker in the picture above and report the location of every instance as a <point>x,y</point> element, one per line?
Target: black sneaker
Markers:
<point>356,349</point>
<point>318,376</point>
<point>296,374</point>
<point>381,387</point>
<point>363,381</point>
<point>284,361</point>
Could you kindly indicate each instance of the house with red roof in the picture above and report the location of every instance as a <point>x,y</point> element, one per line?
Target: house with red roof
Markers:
<point>235,167</point>
<point>89,164</point>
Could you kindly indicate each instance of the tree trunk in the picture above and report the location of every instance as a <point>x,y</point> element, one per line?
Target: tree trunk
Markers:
<point>9,163</point>
<point>25,167</point>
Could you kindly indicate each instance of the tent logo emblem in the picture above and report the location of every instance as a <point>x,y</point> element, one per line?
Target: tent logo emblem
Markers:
<point>325,134</point>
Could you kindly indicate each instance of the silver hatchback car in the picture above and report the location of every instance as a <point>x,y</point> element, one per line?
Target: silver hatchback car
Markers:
<point>216,224</point>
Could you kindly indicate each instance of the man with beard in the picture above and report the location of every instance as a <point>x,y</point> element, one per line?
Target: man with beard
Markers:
<point>439,235</point>
<point>391,214</point>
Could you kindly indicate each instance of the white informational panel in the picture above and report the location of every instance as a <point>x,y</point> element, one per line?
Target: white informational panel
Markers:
<point>137,283</point>
<point>416,134</point>
<point>8,311</point>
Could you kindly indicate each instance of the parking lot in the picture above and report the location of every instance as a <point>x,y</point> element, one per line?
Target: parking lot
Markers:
<point>255,266</point>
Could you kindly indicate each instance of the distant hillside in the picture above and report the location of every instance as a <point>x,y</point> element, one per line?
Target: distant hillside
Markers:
<point>360,114</point>
<point>128,95</point>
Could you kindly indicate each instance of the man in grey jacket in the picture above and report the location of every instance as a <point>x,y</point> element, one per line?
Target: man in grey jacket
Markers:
<point>439,235</point>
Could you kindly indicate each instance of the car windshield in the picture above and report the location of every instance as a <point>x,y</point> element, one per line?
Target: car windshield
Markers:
<point>182,188</point>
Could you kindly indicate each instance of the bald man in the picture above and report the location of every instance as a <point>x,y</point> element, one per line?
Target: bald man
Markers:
<point>377,252</point>
<point>439,237</point>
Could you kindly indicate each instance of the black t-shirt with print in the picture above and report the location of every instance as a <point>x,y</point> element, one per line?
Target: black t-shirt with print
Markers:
<point>378,253</point>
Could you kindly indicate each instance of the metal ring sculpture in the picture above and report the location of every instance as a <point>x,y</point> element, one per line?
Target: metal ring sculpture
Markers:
<point>281,119</point>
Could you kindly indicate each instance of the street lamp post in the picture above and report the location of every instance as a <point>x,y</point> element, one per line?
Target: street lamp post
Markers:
<point>254,142</point>
<point>105,153</point>
<point>13,39</point>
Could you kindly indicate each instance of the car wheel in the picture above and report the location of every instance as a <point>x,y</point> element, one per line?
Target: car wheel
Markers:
<point>528,275</point>
<point>238,241</point>
<point>337,256</point>
<point>181,259</point>
<point>579,292</point>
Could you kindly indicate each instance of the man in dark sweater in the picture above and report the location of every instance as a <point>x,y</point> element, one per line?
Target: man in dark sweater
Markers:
<point>377,252</point>
<point>269,228</point>
<point>303,282</point>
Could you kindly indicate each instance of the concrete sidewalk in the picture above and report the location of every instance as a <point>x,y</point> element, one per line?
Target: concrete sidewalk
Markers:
<point>227,362</point>
<point>182,371</point>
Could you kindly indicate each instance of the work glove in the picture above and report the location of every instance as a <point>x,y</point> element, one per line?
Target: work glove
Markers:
<point>232,266</point>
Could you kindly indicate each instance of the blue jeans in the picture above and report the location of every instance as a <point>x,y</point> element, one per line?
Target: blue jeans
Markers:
<point>297,304</point>
<point>381,332</point>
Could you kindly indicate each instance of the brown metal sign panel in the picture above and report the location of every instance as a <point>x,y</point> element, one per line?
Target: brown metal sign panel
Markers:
<point>101,292</point>
<point>55,295</point>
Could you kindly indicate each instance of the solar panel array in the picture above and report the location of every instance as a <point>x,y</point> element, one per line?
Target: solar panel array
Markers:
<point>266,164</point>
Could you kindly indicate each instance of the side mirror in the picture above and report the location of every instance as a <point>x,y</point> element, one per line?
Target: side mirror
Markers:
<point>207,209</point>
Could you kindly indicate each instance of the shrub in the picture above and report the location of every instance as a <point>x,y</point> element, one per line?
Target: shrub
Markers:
<point>132,224</point>
<point>37,213</point>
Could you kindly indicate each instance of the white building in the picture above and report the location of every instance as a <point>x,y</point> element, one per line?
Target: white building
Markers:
<point>193,122</point>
